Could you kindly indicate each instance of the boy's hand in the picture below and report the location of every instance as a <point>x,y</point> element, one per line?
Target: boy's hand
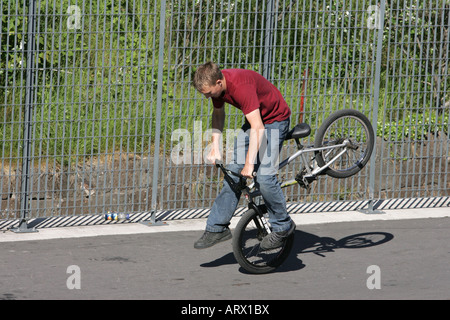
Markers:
<point>213,155</point>
<point>247,171</point>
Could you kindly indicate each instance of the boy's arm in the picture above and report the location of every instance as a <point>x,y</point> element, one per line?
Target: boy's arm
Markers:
<point>256,135</point>
<point>218,120</point>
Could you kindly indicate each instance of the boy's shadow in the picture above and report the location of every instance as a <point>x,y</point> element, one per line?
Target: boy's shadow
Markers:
<point>309,243</point>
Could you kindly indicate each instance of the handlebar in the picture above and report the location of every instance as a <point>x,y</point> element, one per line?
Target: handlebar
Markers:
<point>235,186</point>
<point>219,164</point>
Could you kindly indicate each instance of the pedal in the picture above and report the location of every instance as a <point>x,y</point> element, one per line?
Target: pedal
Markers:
<point>305,181</point>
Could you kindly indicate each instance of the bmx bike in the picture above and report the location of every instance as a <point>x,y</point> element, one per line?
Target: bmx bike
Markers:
<point>342,146</point>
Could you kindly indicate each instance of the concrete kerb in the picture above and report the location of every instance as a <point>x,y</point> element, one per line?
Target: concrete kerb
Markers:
<point>199,224</point>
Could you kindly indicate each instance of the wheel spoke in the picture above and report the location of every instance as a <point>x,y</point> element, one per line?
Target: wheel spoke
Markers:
<point>247,250</point>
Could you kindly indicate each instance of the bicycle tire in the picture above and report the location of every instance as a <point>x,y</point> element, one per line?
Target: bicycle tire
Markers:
<point>246,245</point>
<point>364,240</point>
<point>339,126</point>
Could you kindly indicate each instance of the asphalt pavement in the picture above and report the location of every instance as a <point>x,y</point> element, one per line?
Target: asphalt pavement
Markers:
<point>402,254</point>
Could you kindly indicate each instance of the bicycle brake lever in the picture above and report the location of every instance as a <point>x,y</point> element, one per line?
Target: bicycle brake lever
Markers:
<point>218,163</point>
<point>235,186</point>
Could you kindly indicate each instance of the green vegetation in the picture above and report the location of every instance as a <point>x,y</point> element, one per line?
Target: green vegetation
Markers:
<point>96,85</point>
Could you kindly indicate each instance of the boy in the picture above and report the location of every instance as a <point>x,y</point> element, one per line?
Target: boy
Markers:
<point>267,118</point>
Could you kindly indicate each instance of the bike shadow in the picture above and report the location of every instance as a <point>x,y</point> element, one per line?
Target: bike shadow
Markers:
<point>310,243</point>
<point>305,242</point>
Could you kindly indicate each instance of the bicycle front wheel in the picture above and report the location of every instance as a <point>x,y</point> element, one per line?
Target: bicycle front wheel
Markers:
<point>349,127</point>
<point>247,237</point>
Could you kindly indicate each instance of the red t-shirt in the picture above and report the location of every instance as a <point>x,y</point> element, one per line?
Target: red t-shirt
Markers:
<point>248,91</point>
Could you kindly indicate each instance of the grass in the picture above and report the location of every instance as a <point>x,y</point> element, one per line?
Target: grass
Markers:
<point>96,87</point>
<point>80,121</point>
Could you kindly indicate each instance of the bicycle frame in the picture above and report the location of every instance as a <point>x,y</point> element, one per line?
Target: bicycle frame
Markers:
<point>312,174</point>
<point>309,177</point>
<point>254,197</point>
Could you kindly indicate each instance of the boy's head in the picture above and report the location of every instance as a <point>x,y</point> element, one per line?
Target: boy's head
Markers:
<point>209,80</point>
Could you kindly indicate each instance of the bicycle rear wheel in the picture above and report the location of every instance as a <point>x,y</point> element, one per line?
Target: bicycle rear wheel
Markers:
<point>248,235</point>
<point>345,126</point>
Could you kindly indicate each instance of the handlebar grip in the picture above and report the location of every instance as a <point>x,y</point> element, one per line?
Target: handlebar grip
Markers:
<point>219,164</point>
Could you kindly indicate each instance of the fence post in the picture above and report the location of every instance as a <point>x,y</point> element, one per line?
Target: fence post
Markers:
<point>371,209</point>
<point>162,32</point>
<point>28,122</point>
<point>268,40</point>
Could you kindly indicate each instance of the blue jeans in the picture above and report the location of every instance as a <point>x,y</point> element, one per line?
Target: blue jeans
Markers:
<point>266,179</point>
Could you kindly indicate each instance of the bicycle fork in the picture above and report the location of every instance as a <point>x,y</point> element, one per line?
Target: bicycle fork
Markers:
<point>260,219</point>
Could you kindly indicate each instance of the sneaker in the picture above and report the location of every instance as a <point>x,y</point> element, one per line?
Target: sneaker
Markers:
<point>276,239</point>
<point>209,239</point>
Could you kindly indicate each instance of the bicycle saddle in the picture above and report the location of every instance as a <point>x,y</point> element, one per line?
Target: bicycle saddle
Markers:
<point>301,130</point>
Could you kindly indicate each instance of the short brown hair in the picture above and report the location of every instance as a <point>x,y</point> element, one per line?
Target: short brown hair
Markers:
<point>206,74</point>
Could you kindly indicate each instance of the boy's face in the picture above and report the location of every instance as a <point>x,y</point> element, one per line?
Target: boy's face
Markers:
<point>214,91</point>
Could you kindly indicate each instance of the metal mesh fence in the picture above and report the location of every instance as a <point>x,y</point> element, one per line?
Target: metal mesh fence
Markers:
<point>415,112</point>
<point>98,113</point>
<point>92,68</point>
<point>322,58</point>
